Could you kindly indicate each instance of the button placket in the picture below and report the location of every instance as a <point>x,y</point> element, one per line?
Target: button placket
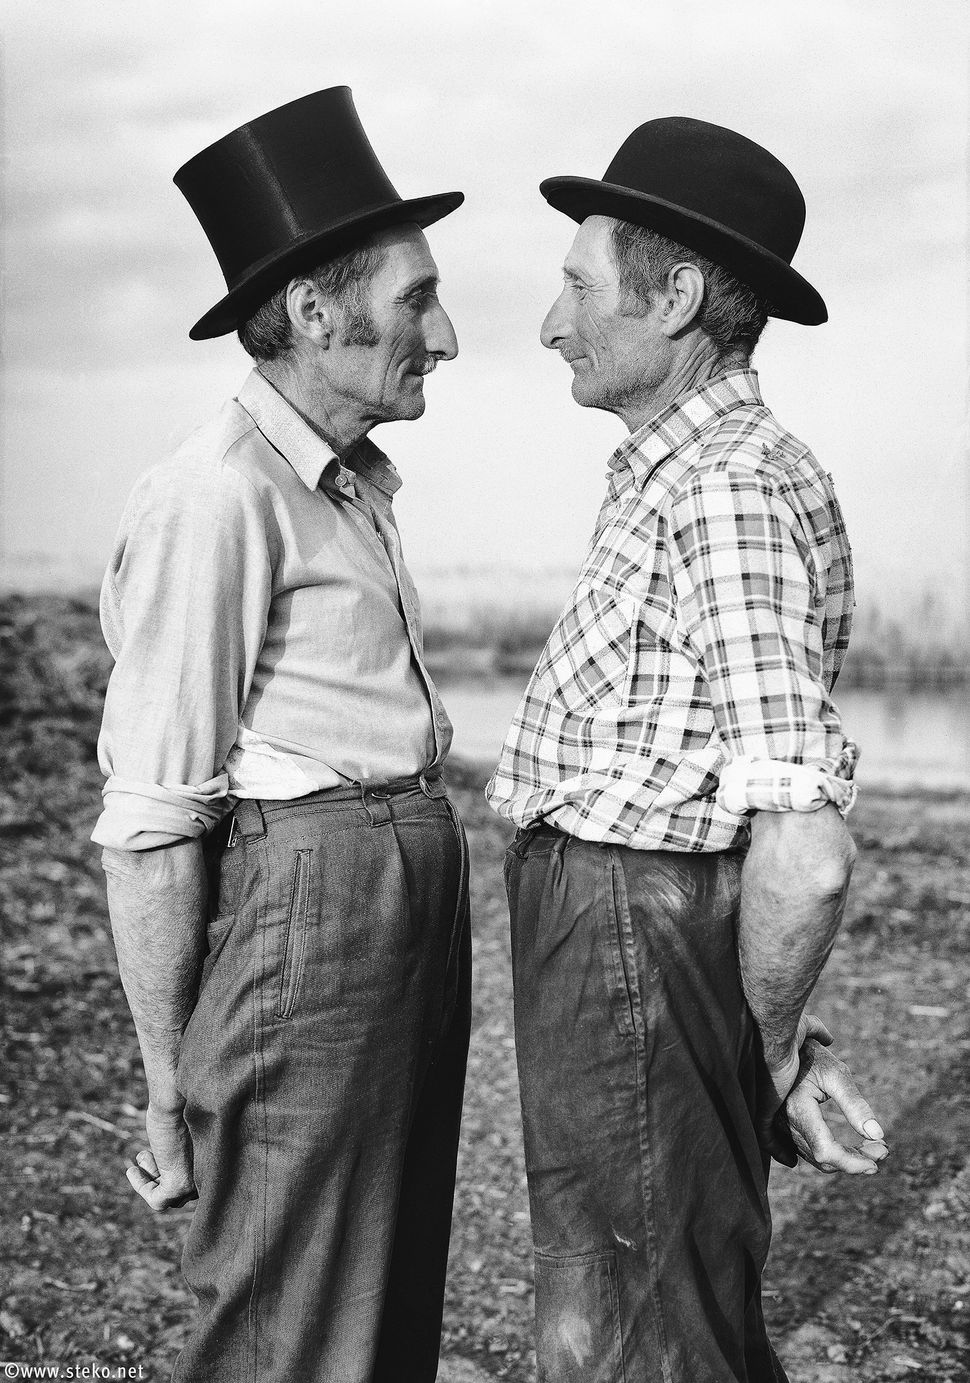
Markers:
<point>409,607</point>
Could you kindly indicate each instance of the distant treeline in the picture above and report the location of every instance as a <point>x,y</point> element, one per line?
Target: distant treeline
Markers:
<point>924,647</point>
<point>498,625</point>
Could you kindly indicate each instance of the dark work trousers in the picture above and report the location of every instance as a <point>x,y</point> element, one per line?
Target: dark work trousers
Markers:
<point>636,1060</point>
<point>323,1070</point>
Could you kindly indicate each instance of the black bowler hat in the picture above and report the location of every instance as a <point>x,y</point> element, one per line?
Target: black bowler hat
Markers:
<point>713,191</point>
<point>288,191</point>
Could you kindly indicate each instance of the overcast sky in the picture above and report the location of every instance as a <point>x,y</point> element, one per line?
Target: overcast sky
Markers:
<point>106,268</point>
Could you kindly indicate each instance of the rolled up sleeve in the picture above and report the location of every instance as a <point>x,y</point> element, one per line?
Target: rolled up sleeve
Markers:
<point>753,613</point>
<point>183,608</point>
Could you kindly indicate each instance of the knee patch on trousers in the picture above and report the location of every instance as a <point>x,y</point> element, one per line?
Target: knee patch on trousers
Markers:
<point>578,1317</point>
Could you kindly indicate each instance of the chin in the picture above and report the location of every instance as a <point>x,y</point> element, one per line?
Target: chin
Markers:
<point>586,393</point>
<point>410,408</point>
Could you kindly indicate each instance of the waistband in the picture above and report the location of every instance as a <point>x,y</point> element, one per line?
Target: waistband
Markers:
<point>546,832</point>
<point>250,814</point>
<point>540,830</point>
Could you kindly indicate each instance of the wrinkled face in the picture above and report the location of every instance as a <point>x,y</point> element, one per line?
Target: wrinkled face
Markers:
<point>384,374</point>
<point>615,355</point>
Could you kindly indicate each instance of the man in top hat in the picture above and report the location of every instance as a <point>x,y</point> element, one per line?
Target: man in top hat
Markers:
<point>287,878</point>
<point>678,774</point>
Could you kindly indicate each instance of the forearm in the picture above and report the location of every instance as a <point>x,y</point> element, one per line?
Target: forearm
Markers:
<point>793,893</point>
<point>157,901</point>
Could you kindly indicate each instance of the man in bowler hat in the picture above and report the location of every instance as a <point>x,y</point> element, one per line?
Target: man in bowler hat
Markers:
<point>679,774</point>
<point>287,879</point>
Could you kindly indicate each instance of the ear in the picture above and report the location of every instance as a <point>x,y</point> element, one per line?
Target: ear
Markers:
<point>310,313</point>
<point>681,302</point>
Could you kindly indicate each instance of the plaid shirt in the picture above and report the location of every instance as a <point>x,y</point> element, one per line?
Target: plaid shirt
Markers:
<point>687,681</point>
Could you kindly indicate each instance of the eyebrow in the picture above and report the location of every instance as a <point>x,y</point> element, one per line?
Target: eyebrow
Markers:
<point>427,284</point>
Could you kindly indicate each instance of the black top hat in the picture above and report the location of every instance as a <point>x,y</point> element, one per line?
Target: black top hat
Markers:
<point>287,191</point>
<point>713,191</point>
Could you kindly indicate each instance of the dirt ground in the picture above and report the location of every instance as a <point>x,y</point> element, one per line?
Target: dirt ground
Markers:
<point>869,1279</point>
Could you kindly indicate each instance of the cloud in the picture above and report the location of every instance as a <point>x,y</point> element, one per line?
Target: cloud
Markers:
<point>105,267</point>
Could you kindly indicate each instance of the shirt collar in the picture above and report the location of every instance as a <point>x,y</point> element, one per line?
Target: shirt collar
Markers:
<point>313,459</point>
<point>369,463</point>
<point>680,422</point>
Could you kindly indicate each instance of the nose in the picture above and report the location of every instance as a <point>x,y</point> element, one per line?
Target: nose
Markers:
<point>556,325</point>
<point>440,338</point>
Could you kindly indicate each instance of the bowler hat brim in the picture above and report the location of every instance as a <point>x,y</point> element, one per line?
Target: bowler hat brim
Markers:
<point>789,296</point>
<point>263,278</point>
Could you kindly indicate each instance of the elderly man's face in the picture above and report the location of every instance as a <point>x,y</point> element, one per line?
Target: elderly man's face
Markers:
<point>384,375</point>
<point>616,356</point>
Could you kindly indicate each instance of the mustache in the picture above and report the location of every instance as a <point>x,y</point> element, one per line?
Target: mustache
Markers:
<point>569,356</point>
<point>427,366</point>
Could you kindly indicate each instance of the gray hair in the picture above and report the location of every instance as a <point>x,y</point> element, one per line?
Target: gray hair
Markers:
<point>731,314</point>
<point>268,334</point>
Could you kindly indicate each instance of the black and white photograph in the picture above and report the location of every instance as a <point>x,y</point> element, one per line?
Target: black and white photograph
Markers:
<point>485,686</point>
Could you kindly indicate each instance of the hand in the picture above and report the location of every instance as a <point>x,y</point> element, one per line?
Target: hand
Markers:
<point>162,1173</point>
<point>778,1074</point>
<point>801,1131</point>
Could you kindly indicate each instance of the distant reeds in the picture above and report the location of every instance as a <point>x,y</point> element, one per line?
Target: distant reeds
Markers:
<point>491,622</point>
<point>922,646</point>
<point>481,622</point>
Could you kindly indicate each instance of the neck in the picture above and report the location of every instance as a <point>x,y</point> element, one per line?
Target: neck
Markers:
<point>337,420</point>
<point>697,362</point>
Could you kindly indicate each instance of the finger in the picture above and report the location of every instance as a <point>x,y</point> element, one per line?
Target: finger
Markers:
<point>874,1148</point>
<point>156,1193</point>
<point>816,1144</point>
<point>839,1158</point>
<point>138,1177</point>
<point>145,1160</point>
<point>815,1028</point>
<point>838,1085</point>
<point>146,1186</point>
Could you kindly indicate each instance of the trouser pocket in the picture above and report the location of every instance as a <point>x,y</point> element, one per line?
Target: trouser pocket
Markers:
<point>578,1336</point>
<point>294,943</point>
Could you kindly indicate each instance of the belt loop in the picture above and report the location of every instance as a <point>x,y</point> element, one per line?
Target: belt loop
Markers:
<point>524,837</point>
<point>248,819</point>
<point>375,803</point>
<point>432,787</point>
<point>520,841</point>
<point>358,784</point>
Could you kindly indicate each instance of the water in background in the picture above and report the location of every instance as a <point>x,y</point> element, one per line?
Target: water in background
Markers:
<point>907,738</point>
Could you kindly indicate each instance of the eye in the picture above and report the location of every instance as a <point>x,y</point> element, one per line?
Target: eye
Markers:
<point>422,299</point>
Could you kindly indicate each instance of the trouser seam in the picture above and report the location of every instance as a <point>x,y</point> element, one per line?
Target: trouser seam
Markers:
<point>620,908</point>
<point>422,1066</point>
<point>461,911</point>
<point>259,1105</point>
<point>614,1282</point>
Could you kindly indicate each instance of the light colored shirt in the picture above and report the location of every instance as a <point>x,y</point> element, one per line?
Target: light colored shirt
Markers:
<point>688,679</point>
<point>266,632</point>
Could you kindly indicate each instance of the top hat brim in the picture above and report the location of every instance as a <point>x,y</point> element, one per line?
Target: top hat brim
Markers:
<point>263,278</point>
<point>788,295</point>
